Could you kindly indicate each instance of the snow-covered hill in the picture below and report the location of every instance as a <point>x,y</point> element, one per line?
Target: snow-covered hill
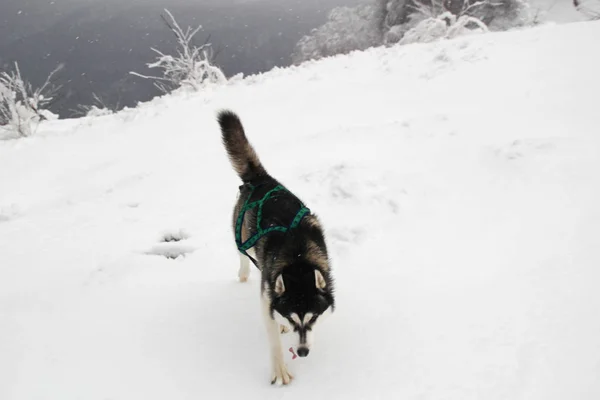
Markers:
<point>459,183</point>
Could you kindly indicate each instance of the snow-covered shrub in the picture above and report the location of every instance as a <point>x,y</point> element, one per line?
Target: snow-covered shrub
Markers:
<point>385,22</point>
<point>98,108</point>
<point>398,17</point>
<point>95,111</point>
<point>589,8</point>
<point>445,25</point>
<point>500,15</point>
<point>347,29</point>
<point>190,67</point>
<point>22,106</point>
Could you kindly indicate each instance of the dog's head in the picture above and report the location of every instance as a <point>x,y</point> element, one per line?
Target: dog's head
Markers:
<point>302,297</point>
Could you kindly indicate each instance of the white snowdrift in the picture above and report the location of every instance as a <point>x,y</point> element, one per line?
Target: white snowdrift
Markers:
<point>459,183</point>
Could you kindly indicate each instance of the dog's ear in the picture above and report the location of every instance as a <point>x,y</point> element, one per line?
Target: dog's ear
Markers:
<point>279,286</point>
<point>320,281</point>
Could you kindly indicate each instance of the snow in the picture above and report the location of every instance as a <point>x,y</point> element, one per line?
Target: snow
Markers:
<point>459,185</point>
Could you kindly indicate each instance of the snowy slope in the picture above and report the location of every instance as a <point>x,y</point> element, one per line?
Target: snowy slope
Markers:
<point>459,185</point>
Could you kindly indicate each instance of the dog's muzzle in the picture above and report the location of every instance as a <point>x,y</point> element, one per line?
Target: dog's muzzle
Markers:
<point>302,351</point>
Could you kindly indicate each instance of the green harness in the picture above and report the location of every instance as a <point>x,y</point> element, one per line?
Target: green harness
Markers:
<point>243,247</point>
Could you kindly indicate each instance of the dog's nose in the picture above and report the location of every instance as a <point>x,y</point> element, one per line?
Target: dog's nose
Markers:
<point>302,351</point>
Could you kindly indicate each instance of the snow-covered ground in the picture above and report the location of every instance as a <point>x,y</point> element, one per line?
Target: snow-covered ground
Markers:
<point>459,183</point>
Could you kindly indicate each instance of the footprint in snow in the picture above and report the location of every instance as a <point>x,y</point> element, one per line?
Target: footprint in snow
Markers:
<point>172,245</point>
<point>347,236</point>
<point>521,148</point>
<point>9,212</point>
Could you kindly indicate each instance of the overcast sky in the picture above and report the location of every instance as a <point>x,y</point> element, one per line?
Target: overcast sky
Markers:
<point>18,16</point>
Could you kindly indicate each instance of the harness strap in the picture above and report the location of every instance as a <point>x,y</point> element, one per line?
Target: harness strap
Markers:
<point>243,247</point>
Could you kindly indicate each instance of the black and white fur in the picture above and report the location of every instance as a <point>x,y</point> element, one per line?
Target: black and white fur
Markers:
<point>296,282</point>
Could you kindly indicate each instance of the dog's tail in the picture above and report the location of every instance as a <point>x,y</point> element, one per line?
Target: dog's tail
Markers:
<point>241,153</point>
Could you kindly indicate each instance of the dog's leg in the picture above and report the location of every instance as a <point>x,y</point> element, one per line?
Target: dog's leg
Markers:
<point>244,271</point>
<point>279,374</point>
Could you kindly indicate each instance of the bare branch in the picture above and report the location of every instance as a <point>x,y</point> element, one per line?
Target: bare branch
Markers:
<point>191,66</point>
<point>591,11</point>
<point>149,77</point>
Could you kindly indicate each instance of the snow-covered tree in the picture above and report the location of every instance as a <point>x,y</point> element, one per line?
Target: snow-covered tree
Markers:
<point>392,13</point>
<point>347,29</point>
<point>22,106</point>
<point>192,66</point>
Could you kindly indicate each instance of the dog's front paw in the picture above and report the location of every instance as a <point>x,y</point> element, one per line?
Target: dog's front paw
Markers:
<point>280,375</point>
<point>244,271</point>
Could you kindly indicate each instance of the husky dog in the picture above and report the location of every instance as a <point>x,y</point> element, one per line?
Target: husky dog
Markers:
<point>288,247</point>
